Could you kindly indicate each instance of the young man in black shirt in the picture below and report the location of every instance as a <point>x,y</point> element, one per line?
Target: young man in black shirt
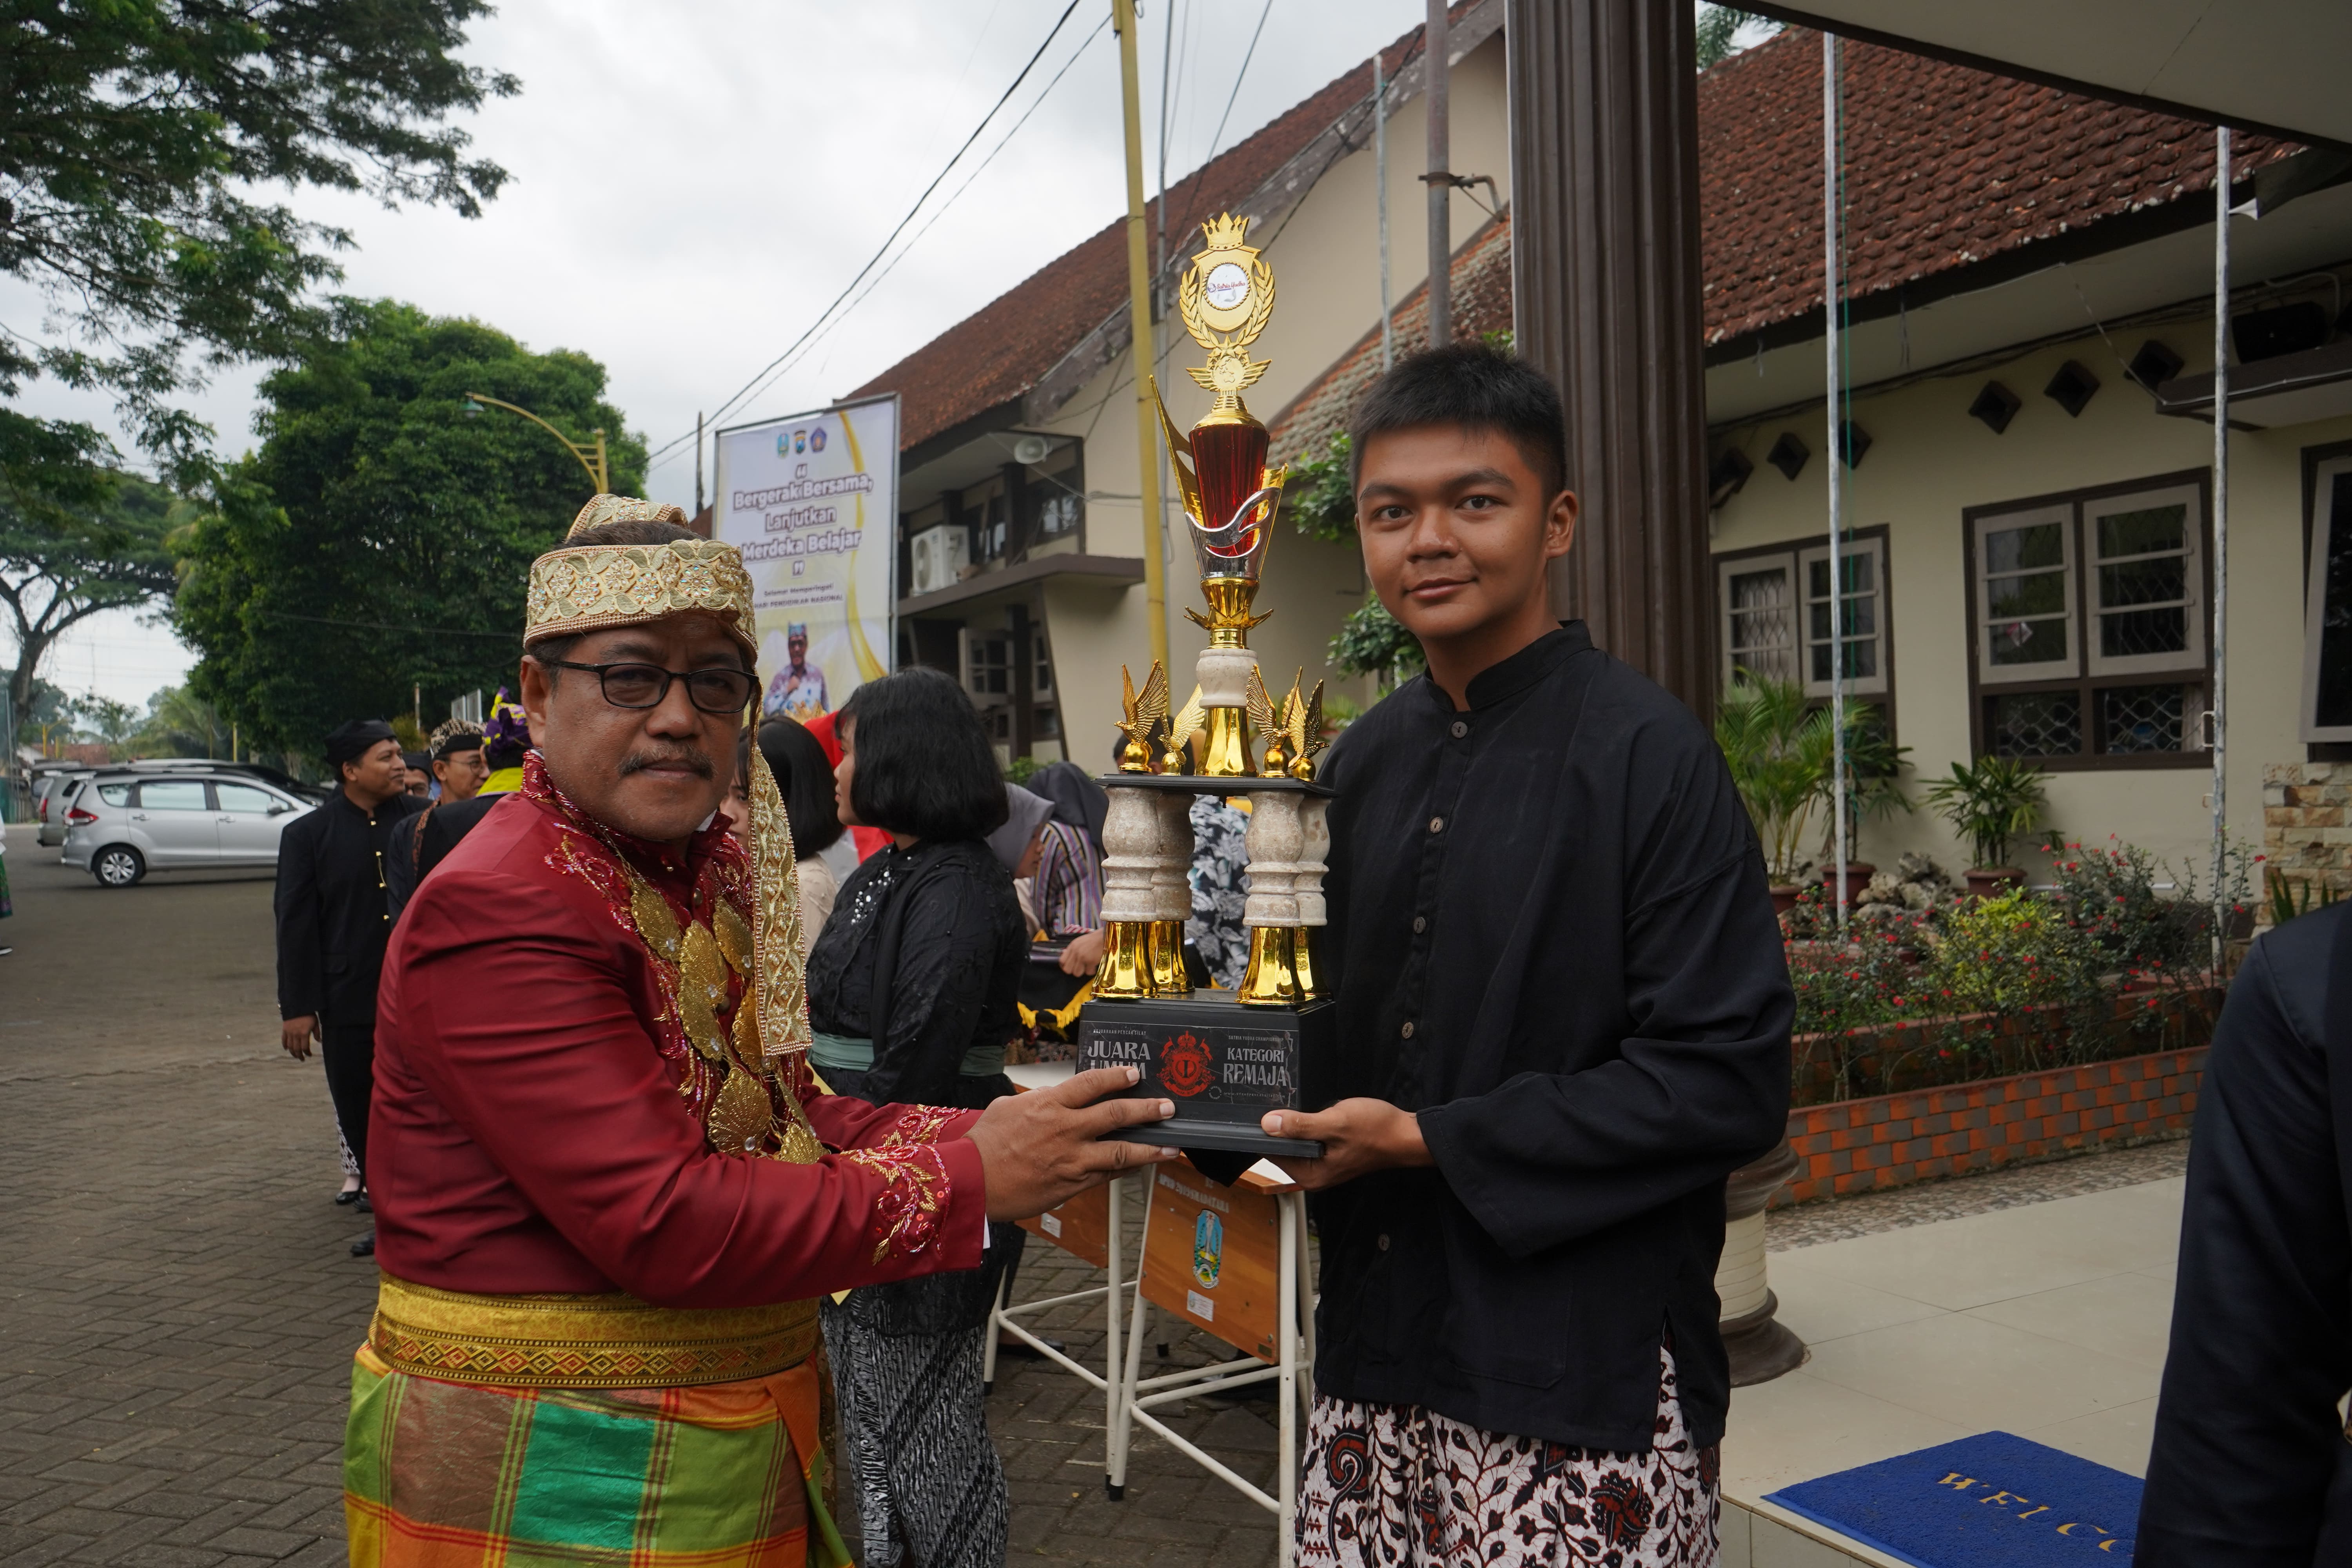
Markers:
<point>1564,1017</point>
<point>333,921</point>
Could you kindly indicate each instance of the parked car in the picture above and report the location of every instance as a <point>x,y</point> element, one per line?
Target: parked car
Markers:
<point>282,784</point>
<point>51,792</point>
<point>121,824</point>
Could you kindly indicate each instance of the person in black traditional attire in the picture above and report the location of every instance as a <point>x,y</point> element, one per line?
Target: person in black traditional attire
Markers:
<point>2250,1467</point>
<point>912,991</point>
<point>333,921</point>
<point>455,753</point>
<point>1564,1017</point>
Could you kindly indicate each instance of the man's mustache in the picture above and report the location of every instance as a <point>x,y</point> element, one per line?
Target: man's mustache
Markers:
<point>691,757</point>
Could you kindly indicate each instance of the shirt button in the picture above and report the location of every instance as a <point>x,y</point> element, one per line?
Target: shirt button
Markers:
<point>1407,1029</point>
<point>1383,1241</point>
<point>1460,729</point>
<point>1420,922</point>
<point>1437,825</point>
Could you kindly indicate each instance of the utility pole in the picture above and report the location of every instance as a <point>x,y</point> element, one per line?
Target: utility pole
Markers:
<point>1139,289</point>
<point>698,462</point>
<point>1440,179</point>
<point>1832,288</point>
<point>2222,168</point>
<point>1381,178</point>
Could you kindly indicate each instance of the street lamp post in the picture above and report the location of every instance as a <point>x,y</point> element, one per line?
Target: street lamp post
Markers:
<point>590,454</point>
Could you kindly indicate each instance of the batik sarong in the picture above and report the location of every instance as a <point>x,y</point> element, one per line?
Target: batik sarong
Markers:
<point>928,1485</point>
<point>457,1475</point>
<point>1389,1486</point>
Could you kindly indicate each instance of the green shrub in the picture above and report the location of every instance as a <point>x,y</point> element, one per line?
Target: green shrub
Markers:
<point>2010,951</point>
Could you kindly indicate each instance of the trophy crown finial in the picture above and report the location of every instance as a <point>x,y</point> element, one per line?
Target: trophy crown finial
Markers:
<point>1226,232</point>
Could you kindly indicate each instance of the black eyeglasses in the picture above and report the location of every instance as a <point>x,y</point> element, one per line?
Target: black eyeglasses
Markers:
<point>719,690</point>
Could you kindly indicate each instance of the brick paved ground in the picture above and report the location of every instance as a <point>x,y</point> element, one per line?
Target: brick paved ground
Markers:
<point>178,1310</point>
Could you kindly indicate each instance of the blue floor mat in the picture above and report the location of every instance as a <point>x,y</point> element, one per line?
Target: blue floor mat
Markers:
<point>1993,1500</point>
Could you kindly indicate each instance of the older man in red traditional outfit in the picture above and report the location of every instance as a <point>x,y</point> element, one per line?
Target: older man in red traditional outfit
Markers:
<point>607,1190</point>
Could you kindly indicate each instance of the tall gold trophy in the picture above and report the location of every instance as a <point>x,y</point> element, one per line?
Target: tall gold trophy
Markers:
<point>1226,1058</point>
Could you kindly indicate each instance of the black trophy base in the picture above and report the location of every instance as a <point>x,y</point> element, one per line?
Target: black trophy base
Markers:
<point>1188,1133</point>
<point>1224,1065</point>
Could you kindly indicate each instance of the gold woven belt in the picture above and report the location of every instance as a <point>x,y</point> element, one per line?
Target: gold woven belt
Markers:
<point>582,1342</point>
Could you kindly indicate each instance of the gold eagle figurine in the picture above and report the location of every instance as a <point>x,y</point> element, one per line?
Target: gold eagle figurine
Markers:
<point>1306,732</point>
<point>1189,721</point>
<point>1141,714</point>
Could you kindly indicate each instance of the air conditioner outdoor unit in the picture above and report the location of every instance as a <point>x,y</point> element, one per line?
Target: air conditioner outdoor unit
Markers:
<point>940,556</point>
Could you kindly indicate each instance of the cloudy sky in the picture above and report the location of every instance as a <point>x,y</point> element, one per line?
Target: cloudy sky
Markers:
<point>695,180</point>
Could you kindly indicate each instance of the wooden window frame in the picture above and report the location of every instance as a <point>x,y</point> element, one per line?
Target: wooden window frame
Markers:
<point>2087,674</point>
<point>2326,469</point>
<point>1798,553</point>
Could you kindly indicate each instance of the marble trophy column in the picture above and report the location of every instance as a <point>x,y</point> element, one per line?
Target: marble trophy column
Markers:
<point>1130,903</point>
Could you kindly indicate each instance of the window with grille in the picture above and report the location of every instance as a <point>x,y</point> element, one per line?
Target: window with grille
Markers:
<point>1779,619</point>
<point>2087,620</point>
<point>2327,615</point>
<point>987,665</point>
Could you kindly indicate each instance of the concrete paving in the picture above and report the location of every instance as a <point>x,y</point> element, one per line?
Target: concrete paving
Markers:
<point>178,1308</point>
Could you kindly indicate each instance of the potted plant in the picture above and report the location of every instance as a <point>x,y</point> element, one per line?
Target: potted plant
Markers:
<point>1992,805</point>
<point>1778,747</point>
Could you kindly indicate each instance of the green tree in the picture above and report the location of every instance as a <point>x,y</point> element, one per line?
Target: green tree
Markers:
<point>74,540</point>
<point>135,136</point>
<point>1320,493</point>
<point>1373,642</point>
<point>179,723</point>
<point>105,720</point>
<point>381,535</point>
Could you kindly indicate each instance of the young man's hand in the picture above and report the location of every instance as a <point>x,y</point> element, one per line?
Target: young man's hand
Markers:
<point>297,1034</point>
<point>1359,1136</point>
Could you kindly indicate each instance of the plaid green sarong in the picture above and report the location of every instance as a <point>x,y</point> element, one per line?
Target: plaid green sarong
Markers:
<point>456,1474</point>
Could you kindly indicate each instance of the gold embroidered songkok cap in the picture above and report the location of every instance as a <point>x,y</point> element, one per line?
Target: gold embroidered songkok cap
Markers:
<point>597,587</point>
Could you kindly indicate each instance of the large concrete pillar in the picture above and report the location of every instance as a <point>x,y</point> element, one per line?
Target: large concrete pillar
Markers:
<point>1605,281</point>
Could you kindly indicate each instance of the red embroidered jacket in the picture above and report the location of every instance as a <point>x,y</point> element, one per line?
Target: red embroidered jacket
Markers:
<point>537,1122</point>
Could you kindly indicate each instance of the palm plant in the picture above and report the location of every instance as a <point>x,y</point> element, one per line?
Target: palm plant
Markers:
<point>1992,805</point>
<point>1779,749</point>
<point>1718,30</point>
<point>1873,778</point>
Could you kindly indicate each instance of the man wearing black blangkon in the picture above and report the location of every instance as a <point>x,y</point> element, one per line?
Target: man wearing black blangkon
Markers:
<point>1564,1017</point>
<point>334,919</point>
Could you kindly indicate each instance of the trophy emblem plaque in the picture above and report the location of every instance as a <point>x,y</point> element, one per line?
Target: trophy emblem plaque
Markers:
<point>1225,1058</point>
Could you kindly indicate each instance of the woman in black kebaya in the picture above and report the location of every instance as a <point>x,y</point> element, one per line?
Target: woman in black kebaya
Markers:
<point>912,989</point>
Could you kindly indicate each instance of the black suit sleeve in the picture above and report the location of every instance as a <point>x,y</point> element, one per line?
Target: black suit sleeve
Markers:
<point>302,960</point>
<point>2248,1443</point>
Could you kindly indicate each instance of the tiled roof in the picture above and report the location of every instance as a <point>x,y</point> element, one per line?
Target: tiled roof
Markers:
<point>1007,347</point>
<point>1482,304</point>
<point>1946,166</point>
<point>1949,166</point>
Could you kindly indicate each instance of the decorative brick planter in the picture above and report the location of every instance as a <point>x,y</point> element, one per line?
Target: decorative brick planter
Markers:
<point>1892,1140</point>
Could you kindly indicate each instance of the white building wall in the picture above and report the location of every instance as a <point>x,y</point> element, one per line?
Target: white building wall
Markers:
<point>1929,461</point>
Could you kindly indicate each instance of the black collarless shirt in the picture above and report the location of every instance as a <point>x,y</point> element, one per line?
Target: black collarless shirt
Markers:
<point>333,918</point>
<point>1551,938</point>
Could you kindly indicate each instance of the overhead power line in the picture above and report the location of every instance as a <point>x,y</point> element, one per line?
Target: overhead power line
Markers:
<point>769,377</point>
<point>884,249</point>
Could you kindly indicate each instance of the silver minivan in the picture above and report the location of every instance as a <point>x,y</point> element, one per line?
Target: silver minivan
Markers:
<point>121,825</point>
<point>51,792</point>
